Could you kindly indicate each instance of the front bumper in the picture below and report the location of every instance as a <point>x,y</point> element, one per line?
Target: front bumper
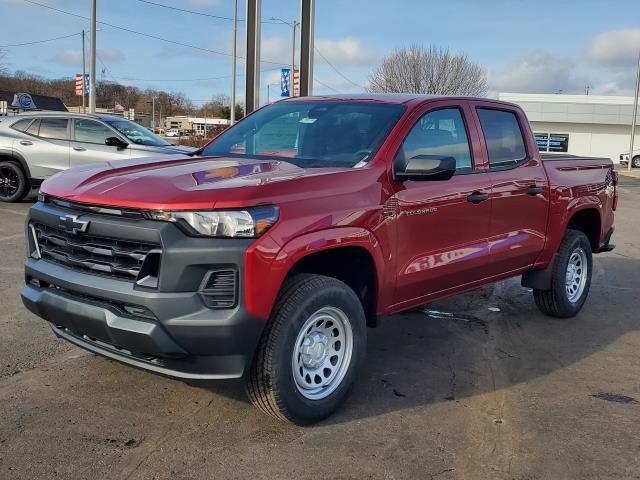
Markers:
<point>176,334</point>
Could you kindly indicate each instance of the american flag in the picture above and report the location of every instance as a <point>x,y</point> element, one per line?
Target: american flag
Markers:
<point>285,82</point>
<point>79,84</point>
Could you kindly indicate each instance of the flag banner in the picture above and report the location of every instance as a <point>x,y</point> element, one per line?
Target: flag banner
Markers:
<point>79,84</point>
<point>285,82</point>
<point>296,83</point>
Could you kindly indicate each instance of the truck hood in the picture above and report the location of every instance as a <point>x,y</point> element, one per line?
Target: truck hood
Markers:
<point>178,184</point>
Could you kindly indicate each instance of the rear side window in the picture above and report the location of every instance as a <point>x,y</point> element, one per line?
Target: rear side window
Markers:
<point>441,133</point>
<point>502,134</point>
<point>55,128</point>
<point>21,125</point>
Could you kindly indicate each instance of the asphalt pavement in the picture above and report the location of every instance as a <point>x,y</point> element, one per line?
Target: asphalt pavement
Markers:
<point>480,386</point>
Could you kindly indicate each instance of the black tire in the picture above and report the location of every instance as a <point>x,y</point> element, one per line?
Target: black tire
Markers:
<point>271,385</point>
<point>635,162</point>
<point>13,182</point>
<point>555,301</point>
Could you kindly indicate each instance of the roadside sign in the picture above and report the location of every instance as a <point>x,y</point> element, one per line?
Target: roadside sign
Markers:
<point>79,84</point>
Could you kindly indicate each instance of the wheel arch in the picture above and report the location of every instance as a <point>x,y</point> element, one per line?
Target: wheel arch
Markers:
<point>10,155</point>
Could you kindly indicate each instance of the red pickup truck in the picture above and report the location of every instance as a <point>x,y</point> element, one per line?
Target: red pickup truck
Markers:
<point>266,255</point>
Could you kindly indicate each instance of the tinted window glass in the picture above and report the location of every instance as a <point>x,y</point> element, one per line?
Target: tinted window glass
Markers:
<point>442,133</point>
<point>53,128</point>
<point>311,134</point>
<point>21,125</point>
<point>90,131</point>
<point>503,136</point>
<point>33,128</point>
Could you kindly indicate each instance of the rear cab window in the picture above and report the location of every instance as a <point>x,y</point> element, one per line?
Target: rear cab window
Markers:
<point>441,132</point>
<point>503,137</point>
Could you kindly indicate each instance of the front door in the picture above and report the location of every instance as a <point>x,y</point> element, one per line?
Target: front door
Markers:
<point>520,191</point>
<point>442,226</point>
<point>88,143</point>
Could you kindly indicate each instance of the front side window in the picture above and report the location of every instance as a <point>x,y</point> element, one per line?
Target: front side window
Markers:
<point>54,128</point>
<point>311,134</point>
<point>441,133</point>
<point>502,134</point>
<point>137,133</point>
<point>90,131</point>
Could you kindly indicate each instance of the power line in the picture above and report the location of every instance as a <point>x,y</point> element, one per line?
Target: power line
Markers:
<point>324,85</point>
<point>148,35</point>
<point>336,70</point>
<point>193,12</point>
<point>39,41</point>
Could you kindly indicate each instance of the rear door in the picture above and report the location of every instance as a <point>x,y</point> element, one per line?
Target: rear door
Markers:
<point>45,146</point>
<point>88,143</point>
<point>520,190</point>
<point>442,226</point>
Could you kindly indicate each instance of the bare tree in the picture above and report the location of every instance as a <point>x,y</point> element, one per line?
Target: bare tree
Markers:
<point>428,70</point>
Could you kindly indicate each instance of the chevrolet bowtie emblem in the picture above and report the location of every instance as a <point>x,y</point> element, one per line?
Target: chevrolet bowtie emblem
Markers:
<point>71,224</point>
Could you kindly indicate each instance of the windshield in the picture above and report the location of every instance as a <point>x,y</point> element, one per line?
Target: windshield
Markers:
<point>137,133</point>
<point>311,133</point>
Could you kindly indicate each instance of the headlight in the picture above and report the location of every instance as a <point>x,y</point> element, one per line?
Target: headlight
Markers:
<point>248,223</point>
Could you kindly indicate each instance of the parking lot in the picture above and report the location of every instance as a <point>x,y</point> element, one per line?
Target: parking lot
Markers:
<point>481,386</point>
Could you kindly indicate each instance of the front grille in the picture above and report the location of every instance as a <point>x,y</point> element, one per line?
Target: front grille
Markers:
<point>93,254</point>
<point>219,289</point>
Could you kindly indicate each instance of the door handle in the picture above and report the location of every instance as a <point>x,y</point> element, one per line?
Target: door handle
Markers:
<point>477,197</point>
<point>25,142</point>
<point>534,190</point>
<point>79,149</point>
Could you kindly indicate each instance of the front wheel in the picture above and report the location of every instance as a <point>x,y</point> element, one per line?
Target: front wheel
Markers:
<point>13,182</point>
<point>310,351</point>
<point>570,279</point>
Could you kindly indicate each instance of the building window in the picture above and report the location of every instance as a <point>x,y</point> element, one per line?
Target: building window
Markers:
<point>552,142</point>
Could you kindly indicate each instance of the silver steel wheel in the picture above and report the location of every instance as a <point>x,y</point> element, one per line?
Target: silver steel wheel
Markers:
<point>322,353</point>
<point>576,275</point>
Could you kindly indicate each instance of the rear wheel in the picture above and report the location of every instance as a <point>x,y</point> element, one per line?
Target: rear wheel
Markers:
<point>570,279</point>
<point>310,351</point>
<point>13,182</point>
<point>636,162</point>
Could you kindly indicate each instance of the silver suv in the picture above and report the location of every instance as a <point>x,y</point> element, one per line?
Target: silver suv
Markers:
<point>35,146</point>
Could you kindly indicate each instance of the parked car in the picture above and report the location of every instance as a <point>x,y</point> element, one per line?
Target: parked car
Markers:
<point>35,146</point>
<point>172,132</point>
<point>268,256</point>
<point>635,160</point>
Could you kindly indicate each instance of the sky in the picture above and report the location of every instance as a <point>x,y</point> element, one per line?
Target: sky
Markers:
<point>536,46</point>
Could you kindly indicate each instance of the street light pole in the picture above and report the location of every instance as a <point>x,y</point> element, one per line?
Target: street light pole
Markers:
<point>635,114</point>
<point>153,113</point>
<point>84,76</point>
<point>234,62</point>
<point>92,60</point>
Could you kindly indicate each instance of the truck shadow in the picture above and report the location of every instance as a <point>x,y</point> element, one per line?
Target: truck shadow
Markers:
<point>479,342</point>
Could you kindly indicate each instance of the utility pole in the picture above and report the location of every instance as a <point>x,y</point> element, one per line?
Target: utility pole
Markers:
<point>306,47</point>
<point>84,76</point>
<point>635,114</point>
<point>92,60</point>
<point>234,62</point>
<point>252,69</point>
<point>153,113</point>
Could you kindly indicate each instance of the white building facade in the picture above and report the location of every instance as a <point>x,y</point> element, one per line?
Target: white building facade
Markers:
<point>588,125</point>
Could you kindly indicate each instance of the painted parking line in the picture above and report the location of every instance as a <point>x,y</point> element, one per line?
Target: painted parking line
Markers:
<point>15,212</point>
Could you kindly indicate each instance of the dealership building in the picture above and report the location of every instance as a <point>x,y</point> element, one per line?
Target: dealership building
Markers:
<point>589,125</point>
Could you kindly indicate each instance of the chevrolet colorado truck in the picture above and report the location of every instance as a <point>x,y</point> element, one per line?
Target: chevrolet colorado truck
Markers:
<point>268,254</point>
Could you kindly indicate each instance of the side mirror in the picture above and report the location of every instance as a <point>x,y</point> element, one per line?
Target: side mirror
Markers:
<point>426,167</point>
<point>116,142</point>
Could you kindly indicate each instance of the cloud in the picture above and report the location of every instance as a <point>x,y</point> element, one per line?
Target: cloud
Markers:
<point>616,49</point>
<point>538,72</point>
<point>73,58</point>
<point>347,52</point>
